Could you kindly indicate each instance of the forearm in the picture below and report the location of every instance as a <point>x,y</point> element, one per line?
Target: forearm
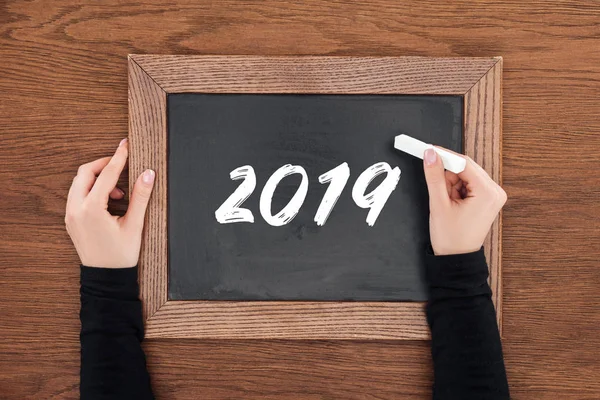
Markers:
<point>113,365</point>
<point>466,347</point>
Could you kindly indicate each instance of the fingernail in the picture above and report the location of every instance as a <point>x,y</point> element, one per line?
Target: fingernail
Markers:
<point>121,191</point>
<point>430,156</point>
<point>148,176</point>
<point>122,142</point>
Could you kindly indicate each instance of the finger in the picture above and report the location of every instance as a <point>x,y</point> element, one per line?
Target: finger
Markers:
<point>116,194</point>
<point>451,180</point>
<point>109,176</point>
<point>134,218</point>
<point>455,194</point>
<point>436,179</point>
<point>457,191</point>
<point>476,166</point>
<point>464,193</point>
<point>474,176</point>
<point>482,172</point>
<point>473,172</point>
<point>84,180</point>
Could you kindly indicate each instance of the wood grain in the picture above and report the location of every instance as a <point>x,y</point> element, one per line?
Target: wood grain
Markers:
<point>148,149</point>
<point>482,142</point>
<point>149,75</point>
<point>64,102</point>
<point>324,75</point>
<point>289,320</point>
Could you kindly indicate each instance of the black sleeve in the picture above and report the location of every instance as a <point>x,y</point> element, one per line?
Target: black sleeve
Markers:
<point>465,347</point>
<point>113,365</point>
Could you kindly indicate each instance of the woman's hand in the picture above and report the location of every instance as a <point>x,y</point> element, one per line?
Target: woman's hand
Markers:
<point>462,207</point>
<point>102,239</point>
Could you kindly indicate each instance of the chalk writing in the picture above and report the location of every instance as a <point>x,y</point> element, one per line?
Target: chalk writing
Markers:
<point>288,212</point>
<point>375,200</point>
<point>338,178</point>
<point>231,212</point>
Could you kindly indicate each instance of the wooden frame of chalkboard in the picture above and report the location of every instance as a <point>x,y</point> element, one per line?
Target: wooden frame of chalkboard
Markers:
<point>153,77</point>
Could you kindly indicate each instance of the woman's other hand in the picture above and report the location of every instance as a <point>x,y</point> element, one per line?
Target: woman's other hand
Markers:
<point>102,239</point>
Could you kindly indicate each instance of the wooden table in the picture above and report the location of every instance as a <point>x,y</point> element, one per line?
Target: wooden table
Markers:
<point>63,75</point>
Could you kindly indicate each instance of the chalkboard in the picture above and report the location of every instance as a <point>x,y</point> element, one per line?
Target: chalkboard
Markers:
<point>315,270</point>
<point>210,135</point>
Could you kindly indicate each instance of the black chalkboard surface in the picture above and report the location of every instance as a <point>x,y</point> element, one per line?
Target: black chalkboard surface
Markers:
<point>210,135</point>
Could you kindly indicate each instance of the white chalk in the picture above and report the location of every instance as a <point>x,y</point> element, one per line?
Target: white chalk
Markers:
<point>416,148</point>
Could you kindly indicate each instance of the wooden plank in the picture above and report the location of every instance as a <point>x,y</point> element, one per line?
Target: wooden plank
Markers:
<point>483,130</point>
<point>334,75</point>
<point>289,320</point>
<point>148,149</point>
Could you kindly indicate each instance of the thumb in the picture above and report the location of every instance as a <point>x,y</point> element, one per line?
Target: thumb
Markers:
<point>436,179</point>
<point>134,218</point>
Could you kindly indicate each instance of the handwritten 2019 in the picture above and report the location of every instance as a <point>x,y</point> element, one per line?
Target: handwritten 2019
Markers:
<point>231,212</point>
